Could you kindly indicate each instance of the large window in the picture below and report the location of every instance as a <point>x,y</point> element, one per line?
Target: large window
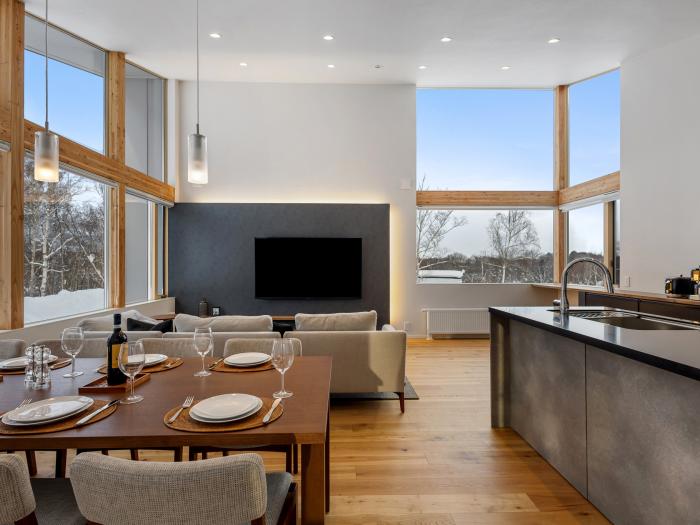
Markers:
<point>586,239</point>
<point>594,127</point>
<point>64,245</point>
<point>138,248</point>
<point>485,139</point>
<point>144,121</point>
<point>484,246</point>
<point>76,84</point>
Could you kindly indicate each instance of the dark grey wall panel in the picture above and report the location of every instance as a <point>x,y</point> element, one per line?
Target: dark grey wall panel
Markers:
<point>212,253</point>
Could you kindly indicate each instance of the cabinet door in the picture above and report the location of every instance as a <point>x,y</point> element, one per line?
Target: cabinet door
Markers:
<point>678,311</point>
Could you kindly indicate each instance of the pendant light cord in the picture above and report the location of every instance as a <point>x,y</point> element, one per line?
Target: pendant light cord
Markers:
<point>46,64</point>
<point>197,46</point>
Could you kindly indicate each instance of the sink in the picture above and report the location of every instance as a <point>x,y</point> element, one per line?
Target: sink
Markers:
<point>634,321</point>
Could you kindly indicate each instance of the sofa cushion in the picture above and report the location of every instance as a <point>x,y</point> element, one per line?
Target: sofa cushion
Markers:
<point>224,323</point>
<point>345,322</point>
<point>143,326</point>
<point>106,322</point>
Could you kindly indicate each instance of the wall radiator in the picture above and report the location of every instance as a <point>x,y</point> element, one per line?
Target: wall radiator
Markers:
<point>456,321</point>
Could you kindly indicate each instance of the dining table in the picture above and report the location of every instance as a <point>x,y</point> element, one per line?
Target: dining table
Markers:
<point>304,422</point>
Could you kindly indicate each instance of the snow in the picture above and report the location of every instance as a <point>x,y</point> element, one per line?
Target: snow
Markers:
<point>63,304</point>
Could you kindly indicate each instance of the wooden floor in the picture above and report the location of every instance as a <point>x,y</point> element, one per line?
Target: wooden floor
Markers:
<point>440,462</point>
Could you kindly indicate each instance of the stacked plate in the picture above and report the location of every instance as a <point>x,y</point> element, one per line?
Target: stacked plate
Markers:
<point>47,411</point>
<point>226,408</point>
<point>247,359</point>
<point>154,359</point>
<point>17,363</point>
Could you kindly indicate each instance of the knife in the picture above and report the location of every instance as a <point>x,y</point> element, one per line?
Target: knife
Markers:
<point>213,365</point>
<point>267,417</point>
<point>87,418</point>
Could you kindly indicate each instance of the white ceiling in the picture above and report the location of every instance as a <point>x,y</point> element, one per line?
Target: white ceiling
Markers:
<point>281,40</point>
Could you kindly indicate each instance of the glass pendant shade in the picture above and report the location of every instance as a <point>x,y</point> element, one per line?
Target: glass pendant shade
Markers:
<point>197,168</point>
<point>45,156</point>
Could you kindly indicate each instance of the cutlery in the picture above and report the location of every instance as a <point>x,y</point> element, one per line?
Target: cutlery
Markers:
<point>186,404</point>
<point>173,362</point>
<point>60,364</point>
<point>89,417</point>
<point>267,417</point>
<point>213,365</point>
<point>24,402</point>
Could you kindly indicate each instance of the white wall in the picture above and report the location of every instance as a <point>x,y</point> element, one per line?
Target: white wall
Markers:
<point>660,164</point>
<point>326,143</point>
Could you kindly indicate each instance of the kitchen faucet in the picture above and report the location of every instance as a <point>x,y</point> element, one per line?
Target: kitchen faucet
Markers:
<point>564,300</point>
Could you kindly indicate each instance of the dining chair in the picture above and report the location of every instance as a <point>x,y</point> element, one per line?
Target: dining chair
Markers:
<point>237,346</point>
<point>91,347</point>
<point>28,502</point>
<point>236,489</point>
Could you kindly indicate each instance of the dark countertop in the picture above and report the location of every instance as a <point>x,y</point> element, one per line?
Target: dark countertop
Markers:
<point>677,351</point>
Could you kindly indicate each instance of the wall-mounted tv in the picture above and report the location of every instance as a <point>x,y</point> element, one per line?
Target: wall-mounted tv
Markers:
<point>308,268</point>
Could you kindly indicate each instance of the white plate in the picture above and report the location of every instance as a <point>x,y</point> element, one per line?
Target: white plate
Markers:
<point>154,359</point>
<point>47,410</point>
<point>245,359</point>
<point>226,406</point>
<point>201,419</point>
<point>21,362</point>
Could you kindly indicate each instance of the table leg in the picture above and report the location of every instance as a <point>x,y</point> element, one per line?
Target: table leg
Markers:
<point>328,461</point>
<point>313,484</point>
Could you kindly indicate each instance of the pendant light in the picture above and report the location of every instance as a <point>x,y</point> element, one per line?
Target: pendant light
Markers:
<point>197,168</point>
<point>45,142</point>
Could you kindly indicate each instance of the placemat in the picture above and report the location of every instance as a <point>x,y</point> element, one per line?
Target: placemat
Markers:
<point>170,363</point>
<point>61,363</point>
<point>185,423</point>
<point>222,367</point>
<point>65,424</point>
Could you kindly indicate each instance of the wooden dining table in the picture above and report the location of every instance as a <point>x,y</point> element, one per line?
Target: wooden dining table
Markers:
<point>305,420</point>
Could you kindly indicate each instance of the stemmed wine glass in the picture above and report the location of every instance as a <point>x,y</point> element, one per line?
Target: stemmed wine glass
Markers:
<point>131,361</point>
<point>203,345</point>
<point>72,344</point>
<point>282,359</point>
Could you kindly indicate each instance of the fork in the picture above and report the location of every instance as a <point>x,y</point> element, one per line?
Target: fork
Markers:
<point>186,404</point>
<point>174,362</point>
<point>24,402</point>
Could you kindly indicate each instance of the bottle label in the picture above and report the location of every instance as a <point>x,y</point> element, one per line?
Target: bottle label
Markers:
<point>115,355</point>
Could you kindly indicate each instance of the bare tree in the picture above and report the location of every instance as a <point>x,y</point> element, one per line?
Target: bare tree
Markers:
<point>432,226</point>
<point>513,237</point>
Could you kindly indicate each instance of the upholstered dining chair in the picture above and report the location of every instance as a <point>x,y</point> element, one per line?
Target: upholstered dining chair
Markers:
<point>112,491</point>
<point>28,502</point>
<point>237,346</point>
<point>91,347</point>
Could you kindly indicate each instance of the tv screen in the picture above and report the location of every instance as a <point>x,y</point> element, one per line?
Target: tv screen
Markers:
<point>308,268</point>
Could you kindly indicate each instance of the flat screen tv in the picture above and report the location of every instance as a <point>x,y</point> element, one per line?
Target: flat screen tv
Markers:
<point>308,268</point>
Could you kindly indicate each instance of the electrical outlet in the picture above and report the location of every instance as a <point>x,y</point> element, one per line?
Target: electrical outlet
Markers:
<point>406,184</point>
<point>628,281</point>
<point>407,326</point>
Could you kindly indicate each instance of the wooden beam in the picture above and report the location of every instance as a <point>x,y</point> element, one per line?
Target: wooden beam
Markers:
<point>592,188</point>
<point>155,256</point>
<point>117,244</point>
<point>609,236</point>
<point>12,164</point>
<point>116,106</point>
<point>561,176</point>
<point>487,199</point>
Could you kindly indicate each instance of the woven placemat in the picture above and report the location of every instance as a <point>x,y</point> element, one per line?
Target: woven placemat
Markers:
<point>59,426</point>
<point>171,363</point>
<point>223,367</point>
<point>61,363</point>
<point>185,423</point>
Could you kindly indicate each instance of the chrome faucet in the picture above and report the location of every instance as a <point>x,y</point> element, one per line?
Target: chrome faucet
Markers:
<point>564,300</point>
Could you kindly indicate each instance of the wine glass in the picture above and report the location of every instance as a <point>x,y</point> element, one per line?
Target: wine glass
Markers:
<point>72,344</point>
<point>203,345</point>
<point>131,361</point>
<point>282,359</point>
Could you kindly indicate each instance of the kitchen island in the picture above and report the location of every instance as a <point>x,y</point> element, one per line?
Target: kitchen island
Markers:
<point>615,410</point>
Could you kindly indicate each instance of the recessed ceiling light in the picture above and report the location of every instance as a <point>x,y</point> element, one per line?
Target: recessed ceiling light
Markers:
<point>446,39</point>
<point>328,37</point>
<point>505,68</point>
<point>422,67</point>
<point>331,66</point>
<point>243,64</point>
<point>554,40</point>
<point>378,66</point>
<point>215,35</point>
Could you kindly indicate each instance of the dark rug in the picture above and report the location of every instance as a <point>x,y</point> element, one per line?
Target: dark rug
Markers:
<point>409,393</point>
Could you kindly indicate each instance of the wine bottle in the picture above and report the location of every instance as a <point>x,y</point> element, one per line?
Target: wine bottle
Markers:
<point>114,344</point>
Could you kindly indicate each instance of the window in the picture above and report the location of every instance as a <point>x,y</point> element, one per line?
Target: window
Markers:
<point>64,245</point>
<point>484,246</point>
<point>594,127</point>
<point>144,121</point>
<point>586,238</point>
<point>485,139</point>
<point>138,242</point>
<point>76,84</point>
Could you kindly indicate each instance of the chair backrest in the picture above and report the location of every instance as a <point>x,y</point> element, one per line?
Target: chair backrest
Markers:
<point>10,348</point>
<point>170,347</point>
<point>238,346</point>
<point>16,496</point>
<point>91,347</point>
<point>132,335</point>
<point>216,491</point>
<point>220,338</point>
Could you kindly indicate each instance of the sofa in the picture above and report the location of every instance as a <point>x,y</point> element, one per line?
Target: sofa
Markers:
<point>364,359</point>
